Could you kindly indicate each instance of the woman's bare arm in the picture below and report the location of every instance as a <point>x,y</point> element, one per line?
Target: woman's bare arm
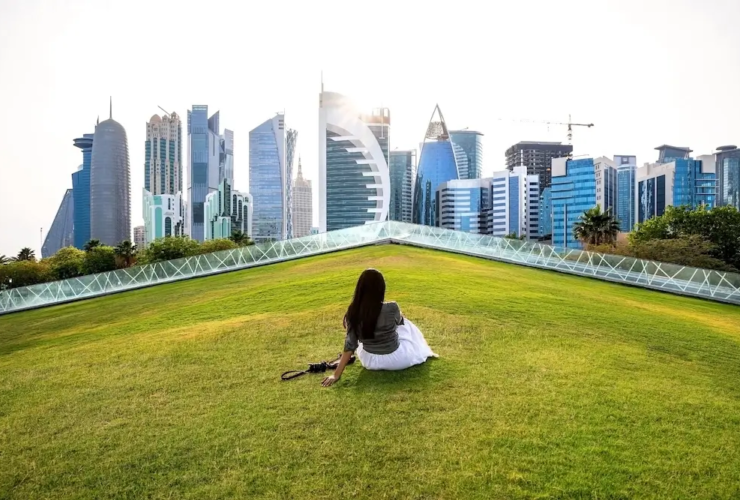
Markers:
<point>346,355</point>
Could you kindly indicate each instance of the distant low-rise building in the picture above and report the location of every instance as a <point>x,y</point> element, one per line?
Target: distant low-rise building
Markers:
<point>140,237</point>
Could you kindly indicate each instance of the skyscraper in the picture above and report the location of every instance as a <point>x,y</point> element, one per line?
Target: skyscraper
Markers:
<point>605,173</point>
<point>626,191</point>
<point>291,138</point>
<point>110,184</point>
<point>544,228</point>
<point>204,155</point>
<point>227,211</point>
<point>573,192</point>
<point>81,191</point>
<point>267,179</point>
<point>537,157</point>
<point>402,174</point>
<point>354,182</point>
<point>437,164</point>
<point>465,205</point>
<point>302,205</point>
<point>61,232</point>
<point>728,176</point>
<point>515,203</point>
<point>472,143</point>
<point>164,216</point>
<point>226,157</point>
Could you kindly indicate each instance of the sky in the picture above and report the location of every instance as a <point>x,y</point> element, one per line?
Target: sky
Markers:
<point>645,72</point>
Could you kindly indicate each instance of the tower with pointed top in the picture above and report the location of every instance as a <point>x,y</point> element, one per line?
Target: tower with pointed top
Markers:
<point>438,163</point>
<point>110,184</point>
<point>302,205</point>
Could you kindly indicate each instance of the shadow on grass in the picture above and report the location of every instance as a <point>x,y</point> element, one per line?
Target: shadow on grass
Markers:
<point>420,376</point>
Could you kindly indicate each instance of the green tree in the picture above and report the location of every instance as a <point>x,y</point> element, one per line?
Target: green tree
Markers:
<point>690,250</point>
<point>4,260</point>
<point>92,244</point>
<point>24,273</point>
<point>125,253</point>
<point>26,254</point>
<point>210,246</point>
<point>168,248</point>
<point>67,263</point>
<point>595,227</point>
<point>99,260</point>
<point>241,238</point>
<point>513,236</point>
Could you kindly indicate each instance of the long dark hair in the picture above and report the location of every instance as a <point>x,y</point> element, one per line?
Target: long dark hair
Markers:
<point>362,313</point>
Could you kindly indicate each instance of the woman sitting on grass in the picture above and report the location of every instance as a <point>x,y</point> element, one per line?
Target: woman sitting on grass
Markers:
<point>382,337</point>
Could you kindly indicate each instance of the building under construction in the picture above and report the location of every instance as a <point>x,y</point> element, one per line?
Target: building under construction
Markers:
<point>536,156</point>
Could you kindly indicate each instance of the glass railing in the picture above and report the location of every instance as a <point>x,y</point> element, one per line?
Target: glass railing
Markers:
<point>713,285</point>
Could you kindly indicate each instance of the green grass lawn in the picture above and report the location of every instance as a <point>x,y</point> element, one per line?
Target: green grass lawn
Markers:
<point>548,386</point>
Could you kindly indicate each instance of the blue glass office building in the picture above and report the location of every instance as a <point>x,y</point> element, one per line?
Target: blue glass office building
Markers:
<point>267,179</point>
<point>728,176</point>
<point>573,192</point>
<point>471,143</point>
<point>402,169</point>
<point>61,232</point>
<point>626,191</point>
<point>465,205</point>
<point>437,164</point>
<point>204,175</point>
<point>544,226</point>
<point>692,185</point>
<point>81,192</point>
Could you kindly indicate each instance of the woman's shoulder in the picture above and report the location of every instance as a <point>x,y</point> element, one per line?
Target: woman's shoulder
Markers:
<point>390,305</point>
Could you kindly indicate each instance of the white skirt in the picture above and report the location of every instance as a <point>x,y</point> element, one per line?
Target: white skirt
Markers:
<point>412,350</point>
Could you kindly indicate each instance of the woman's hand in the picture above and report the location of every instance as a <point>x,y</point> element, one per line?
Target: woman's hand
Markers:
<point>330,380</point>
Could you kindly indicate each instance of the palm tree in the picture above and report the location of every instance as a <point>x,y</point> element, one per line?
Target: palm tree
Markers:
<point>91,244</point>
<point>125,251</point>
<point>4,260</point>
<point>596,227</point>
<point>240,238</point>
<point>26,254</point>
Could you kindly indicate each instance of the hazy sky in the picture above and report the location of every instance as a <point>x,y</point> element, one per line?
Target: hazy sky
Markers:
<point>646,72</point>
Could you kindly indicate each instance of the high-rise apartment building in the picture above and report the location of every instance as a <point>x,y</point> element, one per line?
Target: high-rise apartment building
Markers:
<point>515,204</point>
<point>354,181</point>
<point>437,165</point>
<point>291,139</point>
<point>267,179</point>
<point>402,174</point>
<point>537,157</point>
<point>302,205</point>
<point>140,237</point>
<point>573,192</point>
<point>605,172</point>
<point>61,232</point>
<point>728,176</point>
<point>680,182</point>
<point>81,191</point>
<point>206,171</point>
<point>227,211</point>
<point>626,191</point>
<point>110,184</point>
<point>471,143</point>
<point>164,216</point>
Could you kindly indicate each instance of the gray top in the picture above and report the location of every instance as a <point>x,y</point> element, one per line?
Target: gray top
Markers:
<point>386,337</point>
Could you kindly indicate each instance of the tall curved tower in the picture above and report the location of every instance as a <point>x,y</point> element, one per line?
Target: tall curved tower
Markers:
<point>110,184</point>
<point>438,164</point>
<point>354,181</point>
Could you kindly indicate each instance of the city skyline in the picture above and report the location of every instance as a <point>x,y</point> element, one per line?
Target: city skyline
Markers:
<point>632,114</point>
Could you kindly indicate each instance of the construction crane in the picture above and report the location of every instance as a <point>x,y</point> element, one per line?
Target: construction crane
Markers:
<point>569,124</point>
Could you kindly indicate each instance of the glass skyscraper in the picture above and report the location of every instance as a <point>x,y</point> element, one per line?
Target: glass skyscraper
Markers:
<point>81,191</point>
<point>402,173</point>
<point>573,192</point>
<point>515,203</point>
<point>204,153</point>
<point>465,205</point>
<point>437,164</point>
<point>471,143</point>
<point>110,184</point>
<point>626,191</point>
<point>61,232</point>
<point>728,176</point>
<point>544,226</point>
<point>354,181</point>
<point>291,138</point>
<point>267,179</point>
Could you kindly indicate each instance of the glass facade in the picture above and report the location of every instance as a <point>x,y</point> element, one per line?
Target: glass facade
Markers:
<point>712,285</point>
<point>729,188</point>
<point>465,205</point>
<point>436,165</point>
<point>471,143</point>
<point>267,179</point>
<point>201,134</point>
<point>61,232</point>
<point>692,186</point>
<point>227,211</point>
<point>544,226</point>
<point>81,191</point>
<point>572,194</point>
<point>626,176</point>
<point>402,172</point>
<point>110,185</point>
<point>291,138</point>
